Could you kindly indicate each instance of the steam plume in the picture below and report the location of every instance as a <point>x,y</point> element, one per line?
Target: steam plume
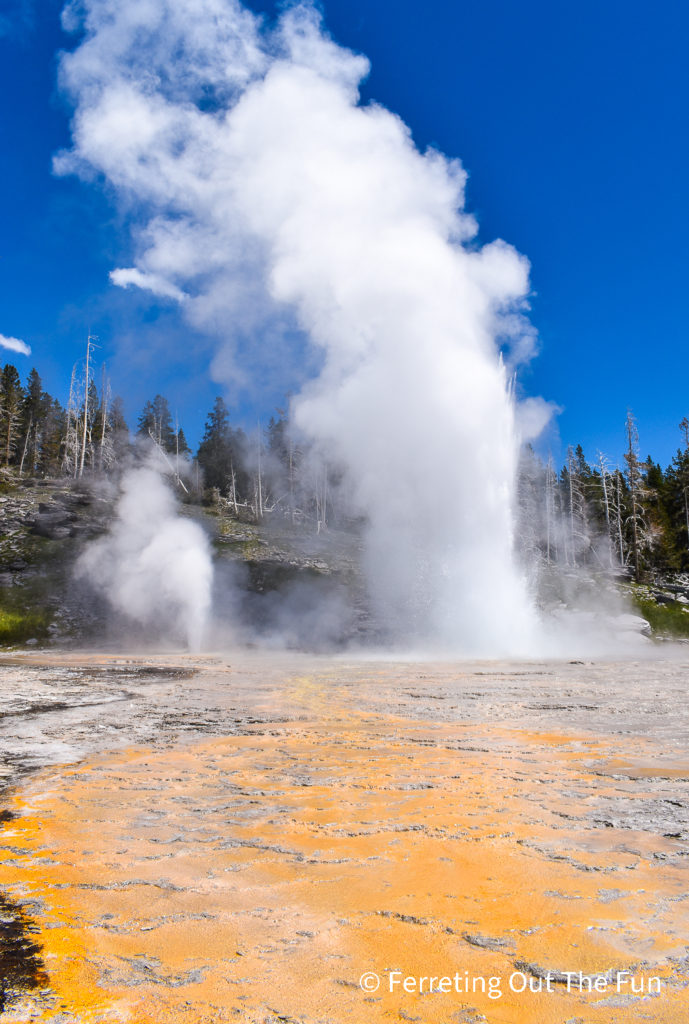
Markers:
<point>262,192</point>
<point>153,566</point>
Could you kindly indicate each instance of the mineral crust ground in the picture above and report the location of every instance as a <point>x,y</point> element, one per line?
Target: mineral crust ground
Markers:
<point>242,837</point>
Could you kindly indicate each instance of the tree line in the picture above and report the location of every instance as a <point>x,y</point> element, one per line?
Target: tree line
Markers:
<point>632,518</point>
<point>39,437</point>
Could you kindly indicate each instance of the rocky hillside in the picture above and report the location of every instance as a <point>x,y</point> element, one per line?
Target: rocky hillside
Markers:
<point>277,579</point>
<point>44,525</point>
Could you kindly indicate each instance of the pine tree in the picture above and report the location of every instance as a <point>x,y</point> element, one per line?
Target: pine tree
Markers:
<point>532,513</point>
<point>119,431</point>
<point>636,521</point>
<point>551,507</point>
<point>156,422</point>
<point>676,499</point>
<point>87,423</point>
<point>577,479</point>
<point>33,415</point>
<point>11,398</point>
<point>181,442</point>
<point>216,454</point>
<point>682,474</point>
<point>117,420</point>
<point>51,458</point>
<point>104,455</point>
<point>606,507</point>
<point>662,553</point>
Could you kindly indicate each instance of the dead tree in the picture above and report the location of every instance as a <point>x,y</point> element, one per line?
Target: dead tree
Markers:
<point>684,427</point>
<point>70,459</point>
<point>87,380</point>
<point>604,475</point>
<point>634,482</point>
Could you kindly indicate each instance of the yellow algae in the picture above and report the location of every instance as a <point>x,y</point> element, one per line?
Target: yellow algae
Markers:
<point>258,877</point>
<point>639,768</point>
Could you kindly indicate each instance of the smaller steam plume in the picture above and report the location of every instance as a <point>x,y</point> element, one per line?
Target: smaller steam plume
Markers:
<point>153,566</point>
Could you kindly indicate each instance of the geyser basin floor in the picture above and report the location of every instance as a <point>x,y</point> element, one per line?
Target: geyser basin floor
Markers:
<point>431,820</point>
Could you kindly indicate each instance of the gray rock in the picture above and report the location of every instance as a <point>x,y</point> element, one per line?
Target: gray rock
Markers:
<point>52,524</point>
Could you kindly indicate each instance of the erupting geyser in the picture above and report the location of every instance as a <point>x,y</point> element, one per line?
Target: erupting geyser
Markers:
<point>268,192</point>
<point>153,566</point>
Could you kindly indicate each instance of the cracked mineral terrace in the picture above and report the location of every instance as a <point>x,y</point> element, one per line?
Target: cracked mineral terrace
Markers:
<point>244,837</point>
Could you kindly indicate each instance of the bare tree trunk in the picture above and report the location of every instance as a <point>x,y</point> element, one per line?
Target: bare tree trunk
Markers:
<point>259,498</point>
<point>164,456</point>
<point>234,487</point>
<point>684,427</point>
<point>8,438</point>
<point>86,407</point>
<point>619,519</point>
<point>176,447</point>
<point>570,462</point>
<point>26,444</point>
<point>606,502</point>
<point>552,512</point>
<point>548,510</point>
<point>291,478</point>
<point>104,417</point>
<point>633,467</point>
<point>71,461</point>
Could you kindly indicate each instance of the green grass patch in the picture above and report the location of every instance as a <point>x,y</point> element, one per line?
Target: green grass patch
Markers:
<point>670,619</point>
<point>20,624</point>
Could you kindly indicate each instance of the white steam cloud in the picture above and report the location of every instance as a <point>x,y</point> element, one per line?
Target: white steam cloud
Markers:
<point>263,191</point>
<point>153,566</point>
<point>15,345</point>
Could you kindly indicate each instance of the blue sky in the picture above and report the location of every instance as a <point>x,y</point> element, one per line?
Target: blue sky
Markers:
<point>571,122</point>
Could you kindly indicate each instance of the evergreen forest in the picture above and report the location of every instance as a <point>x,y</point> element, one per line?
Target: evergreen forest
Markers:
<point>631,518</point>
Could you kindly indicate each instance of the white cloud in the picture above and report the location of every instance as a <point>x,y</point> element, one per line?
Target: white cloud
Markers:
<point>15,345</point>
<point>126,276</point>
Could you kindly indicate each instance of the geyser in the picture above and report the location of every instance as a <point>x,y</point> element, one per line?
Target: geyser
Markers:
<point>264,194</point>
<point>153,566</point>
